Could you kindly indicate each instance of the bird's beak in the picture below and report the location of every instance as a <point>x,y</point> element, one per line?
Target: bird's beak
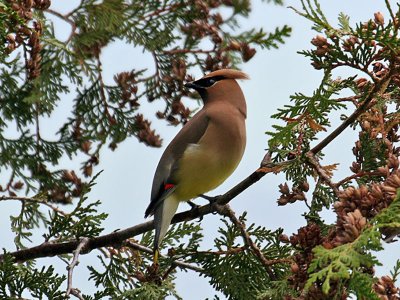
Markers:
<point>192,85</point>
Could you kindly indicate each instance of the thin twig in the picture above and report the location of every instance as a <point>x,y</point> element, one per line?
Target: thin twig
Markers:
<point>77,294</point>
<point>358,175</point>
<point>312,160</point>
<point>377,89</point>
<point>33,200</point>
<point>10,181</point>
<point>82,244</point>
<point>38,138</point>
<point>388,6</point>
<point>235,250</point>
<point>75,9</point>
<point>170,269</point>
<point>184,51</point>
<point>229,251</point>
<point>158,12</point>
<point>102,92</point>
<point>66,19</point>
<point>157,68</point>
<point>225,210</point>
<point>362,68</point>
<point>352,99</point>
<point>60,15</point>
<point>175,263</point>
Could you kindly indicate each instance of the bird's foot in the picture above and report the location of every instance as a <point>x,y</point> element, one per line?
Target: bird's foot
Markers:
<point>212,200</point>
<point>193,205</point>
<point>209,198</point>
<point>195,208</point>
<point>152,274</point>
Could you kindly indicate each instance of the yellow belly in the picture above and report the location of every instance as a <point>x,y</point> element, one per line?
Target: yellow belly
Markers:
<point>202,171</point>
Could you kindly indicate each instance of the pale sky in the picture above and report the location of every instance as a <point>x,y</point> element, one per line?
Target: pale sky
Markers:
<point>124,186</point>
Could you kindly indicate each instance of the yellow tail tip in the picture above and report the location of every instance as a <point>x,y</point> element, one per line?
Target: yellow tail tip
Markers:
<point>155,256</point>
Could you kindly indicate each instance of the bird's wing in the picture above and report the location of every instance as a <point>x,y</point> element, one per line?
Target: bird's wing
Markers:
<point>163,182</point>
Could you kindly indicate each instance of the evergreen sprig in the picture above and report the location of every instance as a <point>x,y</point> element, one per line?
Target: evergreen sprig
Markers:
<point>19,279</point>
<point>349,261</point>
<point>233,269</point>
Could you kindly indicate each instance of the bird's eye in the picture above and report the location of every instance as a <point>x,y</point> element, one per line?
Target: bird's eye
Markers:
<point>211,81</point>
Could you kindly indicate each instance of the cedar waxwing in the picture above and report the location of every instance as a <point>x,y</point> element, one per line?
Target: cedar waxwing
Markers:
<point>204,152</point>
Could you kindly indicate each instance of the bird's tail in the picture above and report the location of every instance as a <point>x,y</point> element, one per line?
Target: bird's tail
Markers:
<point>155,256</point>
<point>162,219</point>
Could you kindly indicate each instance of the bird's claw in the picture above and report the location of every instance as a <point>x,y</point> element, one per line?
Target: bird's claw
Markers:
<point>194,208</point>
<point>209,198</point>
<point>193,205</point>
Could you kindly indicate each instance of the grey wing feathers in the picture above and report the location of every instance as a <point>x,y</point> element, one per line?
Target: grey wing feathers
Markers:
<point>191,133</point>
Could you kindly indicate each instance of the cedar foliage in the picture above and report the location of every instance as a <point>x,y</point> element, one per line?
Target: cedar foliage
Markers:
<point>247,261</point>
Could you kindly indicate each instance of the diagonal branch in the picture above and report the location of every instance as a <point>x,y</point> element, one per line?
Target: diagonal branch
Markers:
<point>66,19</point>
<point>116,238</point>
<point>313,161</point>
<point>376,90</point>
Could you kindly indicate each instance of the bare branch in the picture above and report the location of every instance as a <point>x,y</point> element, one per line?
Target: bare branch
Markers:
<point>66,19</point>
<point>82,244</point>
<point>354,176</point>
<point>33,200</point>
<point>312,160</point>
<point>229,251</point>
<point>77,294</point>
<point>352,99</point>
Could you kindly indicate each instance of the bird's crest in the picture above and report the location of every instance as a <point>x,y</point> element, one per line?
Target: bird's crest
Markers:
<point>228,74</point>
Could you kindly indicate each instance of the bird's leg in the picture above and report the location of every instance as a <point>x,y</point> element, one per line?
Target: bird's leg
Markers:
<point>209,198</point>
<point>193,205</point>
<point>194,208</point>
<point>212,200</point>
<point>152,274</point>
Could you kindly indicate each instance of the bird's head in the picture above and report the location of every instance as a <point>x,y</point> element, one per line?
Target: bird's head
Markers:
<point>217,84</point>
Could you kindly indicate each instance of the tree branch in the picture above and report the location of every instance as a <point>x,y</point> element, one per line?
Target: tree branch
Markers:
<point>313,161</point>
<point>81,246</point>
<point>229,251</point>
<point>33,200</point>
<point>358,175</point>
<point>66,19</point>
<point>116,238</point>
<point>377,89</point>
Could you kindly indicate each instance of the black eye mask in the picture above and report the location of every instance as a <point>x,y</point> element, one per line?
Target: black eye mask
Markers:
<point>207,82</point>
